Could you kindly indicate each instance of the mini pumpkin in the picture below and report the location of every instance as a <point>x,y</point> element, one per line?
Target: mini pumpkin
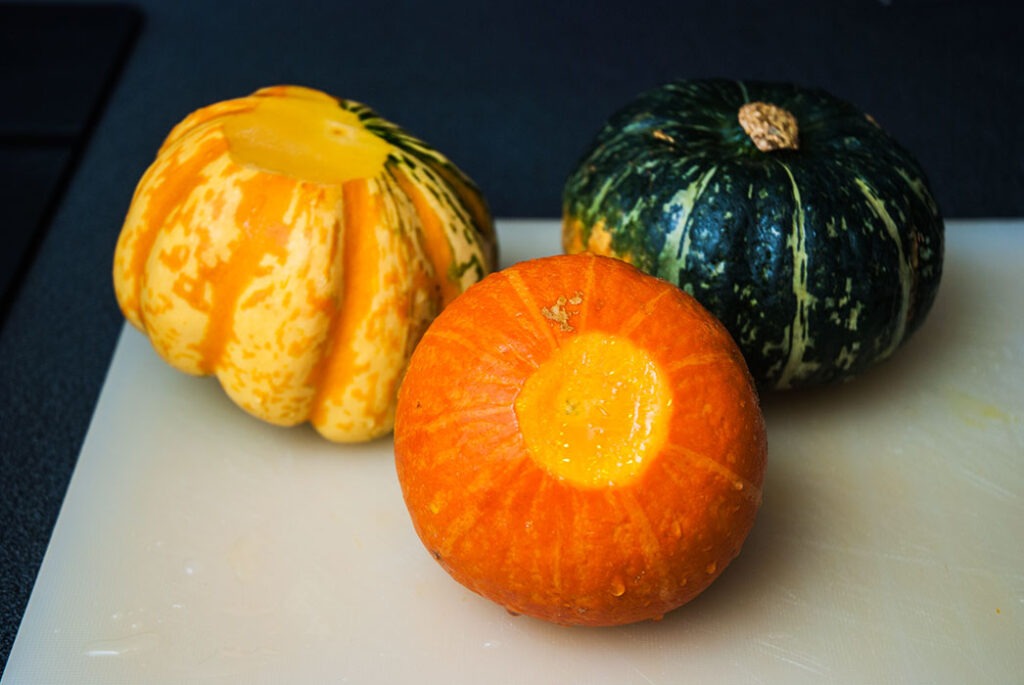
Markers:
<point>787,212</point>
<point>297,245</point>
<point>580,442</point>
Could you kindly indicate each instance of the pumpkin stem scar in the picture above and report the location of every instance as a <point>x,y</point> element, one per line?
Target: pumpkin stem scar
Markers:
<point>596,412</point>
<point>769,126</point>
<point>559,314</point>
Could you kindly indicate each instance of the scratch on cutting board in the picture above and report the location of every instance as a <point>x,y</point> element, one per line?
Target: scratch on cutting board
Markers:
<point>865,551</point>
<point>986,484</point>
<point>792,657</point>
<point>643,675</point>
<point>922,559</point>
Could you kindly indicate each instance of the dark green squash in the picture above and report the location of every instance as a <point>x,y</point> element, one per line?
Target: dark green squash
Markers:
<point>805,228</point>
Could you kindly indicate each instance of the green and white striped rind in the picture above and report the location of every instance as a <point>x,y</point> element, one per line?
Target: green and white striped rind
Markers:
<point>820,261</point>
<point>468,225</point>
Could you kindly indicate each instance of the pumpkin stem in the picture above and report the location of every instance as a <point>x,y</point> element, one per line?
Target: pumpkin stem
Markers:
<point>769,126</point>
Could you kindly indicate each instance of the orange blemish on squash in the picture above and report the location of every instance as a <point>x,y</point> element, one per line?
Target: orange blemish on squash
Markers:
<point>216,205</point>
<point>319,304</point>
<point>600,241</point>
<point>572,235</point>
<point>256,297</point>
<point>176,258</point>
<point>188,289</point>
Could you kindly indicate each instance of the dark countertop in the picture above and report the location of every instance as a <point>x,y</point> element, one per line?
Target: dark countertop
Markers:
<point>510,91</point>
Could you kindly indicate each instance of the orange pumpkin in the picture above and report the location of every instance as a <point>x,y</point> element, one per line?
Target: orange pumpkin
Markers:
<point>580,442</point>
<point>297,246</point>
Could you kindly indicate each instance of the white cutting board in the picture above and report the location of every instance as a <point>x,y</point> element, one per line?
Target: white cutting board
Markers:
<point>197,545</point>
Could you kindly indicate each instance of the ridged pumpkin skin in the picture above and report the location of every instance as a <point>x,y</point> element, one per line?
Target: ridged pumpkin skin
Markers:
<point>297,246</point>
<point>580,442</point>
<point>820,260</point>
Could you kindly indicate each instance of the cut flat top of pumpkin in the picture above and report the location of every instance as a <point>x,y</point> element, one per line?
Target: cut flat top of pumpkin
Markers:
<point>596,412</point>
<point>307,138</point>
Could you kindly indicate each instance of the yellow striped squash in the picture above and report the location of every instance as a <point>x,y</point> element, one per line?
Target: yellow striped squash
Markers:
<point>297,246</point>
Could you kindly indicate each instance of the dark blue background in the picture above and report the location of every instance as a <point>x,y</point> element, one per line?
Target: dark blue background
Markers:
<point>510,91</point>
